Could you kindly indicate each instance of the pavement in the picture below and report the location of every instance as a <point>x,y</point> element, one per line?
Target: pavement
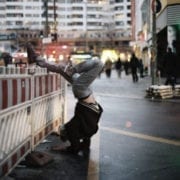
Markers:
<point>138,138</point>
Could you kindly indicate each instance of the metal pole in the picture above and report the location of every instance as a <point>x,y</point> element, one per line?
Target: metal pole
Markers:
<point>154,47</point>
<point>46,16</point>
<point>86,33</point>
<point>55,22</point>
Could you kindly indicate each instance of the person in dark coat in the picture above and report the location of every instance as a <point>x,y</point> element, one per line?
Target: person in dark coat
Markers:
<point>169,65</point>
<point>126,67</point>
<point>118,65</point>
<point>108,68</point>
<point>141,68</point>
<point>7,59</point>
<point>134,64</point>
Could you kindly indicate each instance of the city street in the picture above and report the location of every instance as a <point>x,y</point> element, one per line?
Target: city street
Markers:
<point>138,138</point>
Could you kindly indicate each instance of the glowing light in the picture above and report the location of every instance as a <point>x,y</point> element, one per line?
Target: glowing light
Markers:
<point>61,57</point>
<point>109,54</point>
<point>64,47</point>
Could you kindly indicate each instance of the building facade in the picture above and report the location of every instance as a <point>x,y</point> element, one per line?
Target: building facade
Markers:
<point>90,24</point>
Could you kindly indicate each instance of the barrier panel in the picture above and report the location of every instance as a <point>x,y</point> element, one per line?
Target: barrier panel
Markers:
<point>32,105</point>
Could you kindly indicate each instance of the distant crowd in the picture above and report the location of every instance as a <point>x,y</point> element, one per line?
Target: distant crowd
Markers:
<point>169,67</point>
<point>132,67</point>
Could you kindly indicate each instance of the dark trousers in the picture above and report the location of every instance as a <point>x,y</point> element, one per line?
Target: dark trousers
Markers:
<point>82,126</point>
<point>170,79</point>
<point>134,75</point>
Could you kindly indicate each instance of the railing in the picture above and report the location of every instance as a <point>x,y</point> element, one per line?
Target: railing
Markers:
<point>32,105</point>
<point>21,71</point>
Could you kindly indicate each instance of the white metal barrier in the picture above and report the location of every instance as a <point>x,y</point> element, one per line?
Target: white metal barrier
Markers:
<point>20,70</point>
<point>31,107</point>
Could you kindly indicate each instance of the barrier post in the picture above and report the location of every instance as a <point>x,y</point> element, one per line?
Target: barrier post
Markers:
<point>32,110</point>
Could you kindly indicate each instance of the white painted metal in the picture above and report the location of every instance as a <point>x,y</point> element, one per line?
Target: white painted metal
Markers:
<point>34,109</point>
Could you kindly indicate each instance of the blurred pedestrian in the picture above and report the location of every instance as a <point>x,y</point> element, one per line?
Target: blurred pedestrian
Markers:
<point>126,67</point>
<point>141,68</point>
<point>134,64</point>
<point>7,58</point>
<point>118,66</point>
<point>108,68</point>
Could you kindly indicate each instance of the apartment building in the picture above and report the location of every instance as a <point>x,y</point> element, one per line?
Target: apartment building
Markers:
<point>89,23</point>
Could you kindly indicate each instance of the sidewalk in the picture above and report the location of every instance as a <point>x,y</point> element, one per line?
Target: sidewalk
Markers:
<point>127,88</point>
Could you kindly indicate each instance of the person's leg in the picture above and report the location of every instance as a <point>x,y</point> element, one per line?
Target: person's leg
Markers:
<point>53,67</point>
<point>88,71</point>
<point>133,75</point>
<point>136,76</point>
<point>167,82</point>
<point>85,144</point>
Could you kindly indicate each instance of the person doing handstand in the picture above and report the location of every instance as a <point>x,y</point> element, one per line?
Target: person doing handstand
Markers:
<point>84,124</point>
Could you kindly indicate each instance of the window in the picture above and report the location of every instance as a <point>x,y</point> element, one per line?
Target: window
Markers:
<point>118,1</point>
<point>9,23</point>
<point>94,24</point>
<point>119,23</point>
<point>128,7</point>
<point>119,16</point>
<point>77,8</point>
<point>77,23</point>
<point>14,15</point>
<point>14,7</point>
<point>128,14</point>
<point>77,16</point>
<point>19,23</point>
<point>119,8</point>
<point>35,15</point>
<point>77,1</point>
<point>61,1</point>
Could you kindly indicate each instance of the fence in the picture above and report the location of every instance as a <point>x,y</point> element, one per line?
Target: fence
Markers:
<point>32,105</point>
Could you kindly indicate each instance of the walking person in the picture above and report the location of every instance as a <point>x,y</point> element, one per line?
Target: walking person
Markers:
<point>84,124</point>
<point>108,68</point>
<point>134,63</point>
<point>118,66</point>
<point>141,68</point>
<point>7,59</point>
<point>126,67</point>
<point>169,66</point>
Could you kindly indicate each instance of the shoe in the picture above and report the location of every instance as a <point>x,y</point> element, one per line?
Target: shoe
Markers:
<point>63,134</point>
<point>31,54</point>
